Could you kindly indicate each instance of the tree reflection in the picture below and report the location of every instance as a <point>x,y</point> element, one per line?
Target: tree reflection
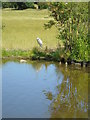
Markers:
<point>71,100</point>
<point>37,65</point>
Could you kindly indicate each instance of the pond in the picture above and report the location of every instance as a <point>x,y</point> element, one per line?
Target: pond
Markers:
<point>39,89</point>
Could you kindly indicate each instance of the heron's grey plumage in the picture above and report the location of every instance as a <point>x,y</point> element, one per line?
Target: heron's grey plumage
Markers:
<point>39,42</point>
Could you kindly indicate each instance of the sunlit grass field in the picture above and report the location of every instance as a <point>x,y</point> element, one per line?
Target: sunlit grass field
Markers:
<point>22,27</point>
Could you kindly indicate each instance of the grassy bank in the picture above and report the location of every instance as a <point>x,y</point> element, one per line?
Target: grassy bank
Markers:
<point>57,55</point>
<point>33,54</point>
<point>15,53</point>
<point>21,28</point>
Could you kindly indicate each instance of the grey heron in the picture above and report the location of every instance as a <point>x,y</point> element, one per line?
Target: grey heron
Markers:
<point>39,41</point>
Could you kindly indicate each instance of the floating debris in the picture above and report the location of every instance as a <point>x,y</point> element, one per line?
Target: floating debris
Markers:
<point>23,61</point>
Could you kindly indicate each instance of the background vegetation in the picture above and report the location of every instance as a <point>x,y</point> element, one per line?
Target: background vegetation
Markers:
<point>68,20</point>
<point>71,20</point>
<point>24,5</point>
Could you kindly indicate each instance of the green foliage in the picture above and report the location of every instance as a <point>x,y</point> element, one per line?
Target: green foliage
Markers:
<point>71,20</point>
<point>24,5</point>
<point>56,55</point>
<point>49,24</point>
<point>42,5</point>
<point>29,4</point>
<point>49,54</point>
<point>18,5</point>
<point>5,4</point>
<point>37,53</point>
<point>80,51</point>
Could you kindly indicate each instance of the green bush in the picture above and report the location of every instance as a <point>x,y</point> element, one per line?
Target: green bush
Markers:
<point>18,5</point>
<point>42,5</point>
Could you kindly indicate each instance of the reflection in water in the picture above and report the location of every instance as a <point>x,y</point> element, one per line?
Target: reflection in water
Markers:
<point>48,95</point>
<point>58,92</point>
<point>39,66</point>
<point>36,66</point>
<point>72,94</point>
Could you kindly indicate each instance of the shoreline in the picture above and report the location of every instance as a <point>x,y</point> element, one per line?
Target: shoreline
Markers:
<point>25,59</point>
<point>36,54</point>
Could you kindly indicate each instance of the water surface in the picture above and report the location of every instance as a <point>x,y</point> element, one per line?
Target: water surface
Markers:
<point>44,90</point>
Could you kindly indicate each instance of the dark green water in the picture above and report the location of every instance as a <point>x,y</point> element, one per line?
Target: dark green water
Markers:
<point>44,90</point>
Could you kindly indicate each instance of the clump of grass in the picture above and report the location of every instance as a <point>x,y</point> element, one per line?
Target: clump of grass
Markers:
<point>37,53</point>
<point>54,55</point>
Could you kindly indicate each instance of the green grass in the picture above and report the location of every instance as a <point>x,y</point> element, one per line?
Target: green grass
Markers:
<point>21,28</point>
<point>16,53</point>
<point>34,54</point>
